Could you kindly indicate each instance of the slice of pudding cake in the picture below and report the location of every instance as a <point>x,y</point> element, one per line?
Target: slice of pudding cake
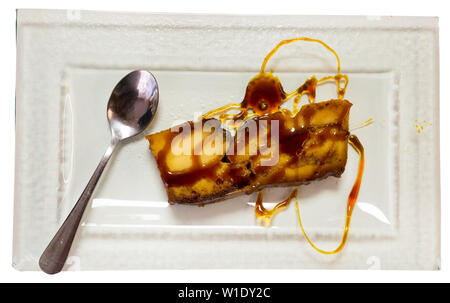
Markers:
<point>202,162</point>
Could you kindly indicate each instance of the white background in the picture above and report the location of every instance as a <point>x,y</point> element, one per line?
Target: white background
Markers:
<point>283,7</point>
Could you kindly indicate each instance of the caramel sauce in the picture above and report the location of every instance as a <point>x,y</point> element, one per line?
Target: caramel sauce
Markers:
<point>309,88</point>
<point>264,95</point>
<point>266,215</point>
<point>351,201</point>
<point>197,171</point>
<point>364,124</point>
<point>291,142</point>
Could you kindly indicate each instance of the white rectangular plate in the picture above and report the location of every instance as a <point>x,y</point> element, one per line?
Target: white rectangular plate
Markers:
<point>68,62</point>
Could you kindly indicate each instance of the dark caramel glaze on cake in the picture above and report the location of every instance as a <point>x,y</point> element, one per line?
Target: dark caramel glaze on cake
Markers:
<point>312,145</point>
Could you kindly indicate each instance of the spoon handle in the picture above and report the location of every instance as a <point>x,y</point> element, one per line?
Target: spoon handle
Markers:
<point>53,258</point>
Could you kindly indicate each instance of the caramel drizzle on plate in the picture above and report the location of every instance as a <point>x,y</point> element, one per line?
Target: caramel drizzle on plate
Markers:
<point>265,95</point>
<point>351,201</point>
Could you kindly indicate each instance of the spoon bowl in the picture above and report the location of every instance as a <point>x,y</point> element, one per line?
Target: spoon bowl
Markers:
<point>130,110</point>
<point>132,104</point>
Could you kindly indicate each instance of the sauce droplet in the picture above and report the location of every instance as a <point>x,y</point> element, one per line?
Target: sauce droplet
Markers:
<point>266,215</point>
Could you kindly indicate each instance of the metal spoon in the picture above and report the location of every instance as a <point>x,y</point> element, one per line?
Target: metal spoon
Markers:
<point>131,108</point>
